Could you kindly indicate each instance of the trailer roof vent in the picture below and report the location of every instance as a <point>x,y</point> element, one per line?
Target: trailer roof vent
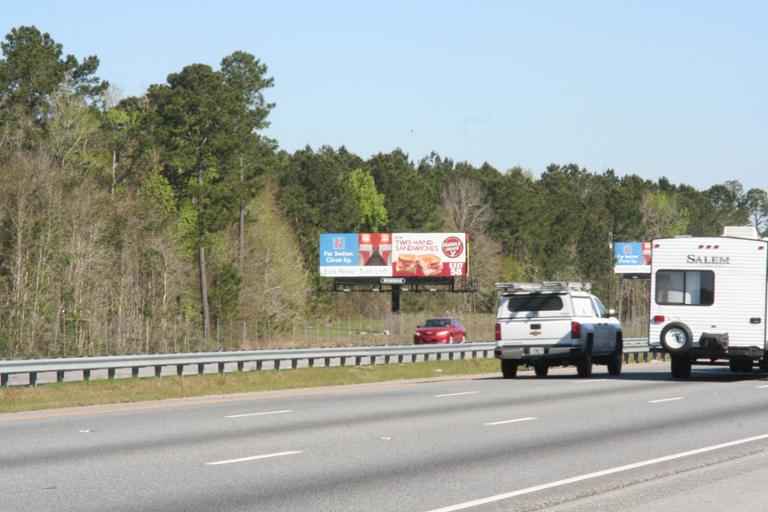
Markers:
<point>741,232</point>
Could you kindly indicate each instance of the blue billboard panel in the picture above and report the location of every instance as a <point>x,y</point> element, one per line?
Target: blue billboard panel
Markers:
<point>632,257</point>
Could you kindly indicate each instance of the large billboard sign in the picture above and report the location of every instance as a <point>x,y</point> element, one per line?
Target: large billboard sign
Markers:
<point>632,257</point>
<point>393,254</point>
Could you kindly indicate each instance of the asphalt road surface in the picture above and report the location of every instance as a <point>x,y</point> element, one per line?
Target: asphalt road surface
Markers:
<point>638,442</point>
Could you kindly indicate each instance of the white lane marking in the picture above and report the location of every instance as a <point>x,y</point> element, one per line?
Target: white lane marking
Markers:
<point>597,474</point>
<point>665,400</point>
<point>257,414</point>
<point>762,387</point>
<point>504,422</point>
<point>457,394</point>
<point>589,381</point>
<point>255,457</point>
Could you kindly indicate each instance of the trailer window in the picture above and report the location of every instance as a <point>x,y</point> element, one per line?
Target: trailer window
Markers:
<point>535,302</point>
<point>690,287</point>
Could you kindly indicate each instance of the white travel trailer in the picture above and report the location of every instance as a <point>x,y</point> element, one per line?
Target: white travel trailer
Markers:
<point>708,300</point>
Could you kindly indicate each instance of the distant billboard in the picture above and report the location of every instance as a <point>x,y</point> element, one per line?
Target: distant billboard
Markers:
<point>632,257</point>
<point>393,254</point>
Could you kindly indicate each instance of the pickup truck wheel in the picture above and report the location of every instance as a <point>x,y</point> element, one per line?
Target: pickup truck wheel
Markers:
<point>681,366</point>
<point>616,360</point>
<point>509,368</point>
<point>541,368</point>
<point>584,364</point>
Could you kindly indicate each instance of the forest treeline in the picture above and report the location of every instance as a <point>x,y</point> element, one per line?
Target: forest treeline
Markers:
<point>170,222</point>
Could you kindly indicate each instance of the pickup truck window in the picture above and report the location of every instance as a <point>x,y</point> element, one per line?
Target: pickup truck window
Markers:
<point>535,302</point>
<point>582,306</point>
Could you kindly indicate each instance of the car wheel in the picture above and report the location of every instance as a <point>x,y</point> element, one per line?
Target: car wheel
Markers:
<point>509,368</point>
<point>681,366</point>
<point>616,360</point>
<point>676,338</point>
<point>541,368</point>
<point>584,364</point>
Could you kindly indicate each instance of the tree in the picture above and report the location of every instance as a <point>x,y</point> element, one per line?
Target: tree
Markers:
<point>33,68</point>
<point>662,217</point>
<point>370,203</point>
<point>757,204</point>
<point>201,122</point>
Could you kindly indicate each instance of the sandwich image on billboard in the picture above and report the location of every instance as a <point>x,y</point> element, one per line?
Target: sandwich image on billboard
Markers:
<point>429,254</point>
<point>393,254</point>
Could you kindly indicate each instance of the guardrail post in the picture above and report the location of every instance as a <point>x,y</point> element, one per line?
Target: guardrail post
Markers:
<point>179,370</point>
<point>343,361</point>
<point>474,354</point>
<point>3,379</point>
<point>200,368</point>
<point>426,356</point>
<point>259,365</point>
<point>86,375</point>
<point>386,359</point>
<point>311,362</point>
<point>240,366</point>
<point>413,358</point>
<point>277,364</point>
<point>439,356</point>
<point>637,357</point>
<point>358,360</point>
<point>463,354</point>
<point>294,363</point>
<point>327,362</point>
<point>485,354</point>
<point>158,371</point>
<point>135,372</point>
<point>111,373</point>
<point>33,379</point>
<point>400,358</point>
<point>450,356</point>
<point>626,357</point>
<point>59,376</point>
<point>373,360</point>
<point>221,368</point>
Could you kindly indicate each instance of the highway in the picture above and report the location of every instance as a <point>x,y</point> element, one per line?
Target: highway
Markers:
<point>636,442</point>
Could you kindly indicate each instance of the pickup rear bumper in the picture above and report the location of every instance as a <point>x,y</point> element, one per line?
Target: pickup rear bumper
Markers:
<point>559,352</point>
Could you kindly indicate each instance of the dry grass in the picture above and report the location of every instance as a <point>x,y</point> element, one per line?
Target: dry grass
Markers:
<point>73,394</point>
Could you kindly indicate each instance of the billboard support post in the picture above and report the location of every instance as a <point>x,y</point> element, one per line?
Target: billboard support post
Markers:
<point>396,298</point>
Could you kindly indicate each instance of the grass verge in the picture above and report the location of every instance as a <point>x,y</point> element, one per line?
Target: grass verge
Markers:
<point>74,394</point>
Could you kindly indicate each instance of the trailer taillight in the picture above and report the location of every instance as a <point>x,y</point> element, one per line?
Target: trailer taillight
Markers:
<point>658,319</point>
<point>498,331</point>
<point>575,330</point>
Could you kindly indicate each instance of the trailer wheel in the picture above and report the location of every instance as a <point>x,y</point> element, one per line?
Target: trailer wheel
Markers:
<point>676,338</point>
<point>509,368</point>
<point>681,366</point>
<point>740,365</point>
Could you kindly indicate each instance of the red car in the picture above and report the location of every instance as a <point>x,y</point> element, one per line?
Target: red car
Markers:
<point>440,330</point>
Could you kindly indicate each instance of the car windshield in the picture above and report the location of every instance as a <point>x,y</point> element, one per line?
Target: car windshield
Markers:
<point>437,322</point>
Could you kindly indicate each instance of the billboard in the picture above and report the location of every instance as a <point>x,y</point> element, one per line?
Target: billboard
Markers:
<point>393,254</point>
<point>632,257</point>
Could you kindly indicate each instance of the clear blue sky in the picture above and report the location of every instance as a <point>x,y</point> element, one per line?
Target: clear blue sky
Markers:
<point>667,88</point>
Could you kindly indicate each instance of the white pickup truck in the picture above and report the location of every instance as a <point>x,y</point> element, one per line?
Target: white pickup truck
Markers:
<point>555,323</point>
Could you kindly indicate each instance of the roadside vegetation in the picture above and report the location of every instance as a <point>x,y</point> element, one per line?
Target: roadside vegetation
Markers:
<point>170,222</point>
<point>74,394</point>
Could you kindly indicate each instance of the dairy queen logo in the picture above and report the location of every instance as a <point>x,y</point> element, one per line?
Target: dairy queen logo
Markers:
<point>453,247</point>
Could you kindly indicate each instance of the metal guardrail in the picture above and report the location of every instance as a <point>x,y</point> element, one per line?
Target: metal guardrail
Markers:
<point>373,354</point>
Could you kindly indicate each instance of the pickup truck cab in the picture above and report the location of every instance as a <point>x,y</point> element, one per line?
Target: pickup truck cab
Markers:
<point>555,323</point>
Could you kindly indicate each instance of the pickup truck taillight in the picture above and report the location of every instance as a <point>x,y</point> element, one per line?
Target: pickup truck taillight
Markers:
<point>498,331</point>
<point>575,330</point>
